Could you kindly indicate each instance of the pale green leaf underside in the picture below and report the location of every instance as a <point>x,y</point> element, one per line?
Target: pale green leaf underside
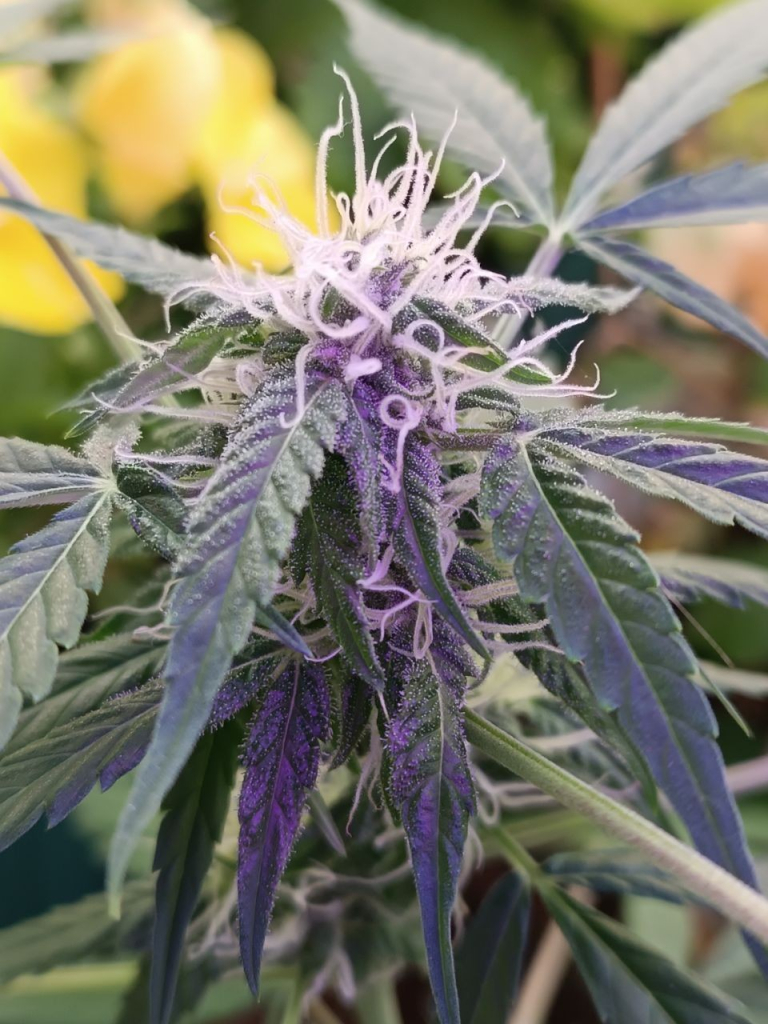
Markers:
<point>43,600</point>
<point>434,79</point>
<point>690,78</point>
<point>660,422</point>
<point>38,474</point>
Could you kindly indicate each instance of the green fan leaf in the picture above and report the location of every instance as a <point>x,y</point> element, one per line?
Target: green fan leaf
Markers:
<point>572,553</point>
<point>240,532</point>
<point>628,981</point>
<point>195,810</point>
<point>85,678</point>
<point>434,79</point>
<point>52,774</point>
<point>43,600</point>
<point>73,932</point>
<point>39,474</point>
<point>490,957</point>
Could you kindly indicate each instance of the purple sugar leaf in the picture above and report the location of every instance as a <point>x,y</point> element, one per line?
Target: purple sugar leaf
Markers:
<point>281,760</point>
<point>253,670</point>
<point>359,445</point>
<point>240,532</point>
<point>336,563</point>
<point>725,487</point>
<point>639,266</point>
<point>353,710</point>
<point>418,539</point>
<point>607,612</point>
<point>729,195</point>
<point>431,787</point>
<point>719,484</point>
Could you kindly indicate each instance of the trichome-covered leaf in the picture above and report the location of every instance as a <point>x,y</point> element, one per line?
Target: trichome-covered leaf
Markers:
<point>572,553</point>
<point>43,600</point>
<point>281,759</point>
<point>40,474</point>
<point>239,534</point>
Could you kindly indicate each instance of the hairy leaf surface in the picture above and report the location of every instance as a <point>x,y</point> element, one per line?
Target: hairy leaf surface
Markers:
<point>40,474</point>
<point>691,77</point>
<point>720,485</point>
<point>240,532</point>
<point>434,79</point>
<point>43,599</point>
<point>281,760</point>
<point>573,553</point>
<point>336,562</point>
<point>658,422</point>
<point>432,789</point>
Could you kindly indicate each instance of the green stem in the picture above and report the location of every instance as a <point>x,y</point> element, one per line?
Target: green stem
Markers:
<point>713,884</point>
<point>105,313</point>
<point>377,1002</point>
<point>543,264</point>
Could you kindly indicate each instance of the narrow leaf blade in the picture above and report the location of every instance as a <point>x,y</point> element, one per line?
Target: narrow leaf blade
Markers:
<point>490,957</point>
<point>281,759</point>
<point>693,76</point>
<point>639,266</point>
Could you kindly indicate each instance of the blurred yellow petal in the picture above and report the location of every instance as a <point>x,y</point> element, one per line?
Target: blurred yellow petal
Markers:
<point>35,292</point>
<point>274,147</point>
<point>143,106</point>
<point>245,87</point>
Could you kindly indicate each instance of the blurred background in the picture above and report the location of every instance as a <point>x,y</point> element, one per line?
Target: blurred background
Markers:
<point>161,133</point>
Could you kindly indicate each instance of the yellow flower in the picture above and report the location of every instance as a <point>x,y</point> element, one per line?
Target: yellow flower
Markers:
<point>143,104</point>
<point>35,292</point>
<point>190,105</point>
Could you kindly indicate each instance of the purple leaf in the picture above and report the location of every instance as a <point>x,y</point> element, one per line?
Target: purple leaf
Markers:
<point>358,443</point>
<point>725,487</point>
<point>281,760</point>
<point>642,268</point>
<point>572,553</point>
<point>431,787</point>
<point>240,532</point>
<point>419,540</point>
<point>729,195</point>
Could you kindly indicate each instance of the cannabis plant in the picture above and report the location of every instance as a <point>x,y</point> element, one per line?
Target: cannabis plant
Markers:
<point>364,483</point>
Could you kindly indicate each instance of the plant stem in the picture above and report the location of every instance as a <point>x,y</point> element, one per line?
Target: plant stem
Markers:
<point>543,264</point>
<point>377,1002</point>
<point>105,313</point>
<point>735,900</point>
